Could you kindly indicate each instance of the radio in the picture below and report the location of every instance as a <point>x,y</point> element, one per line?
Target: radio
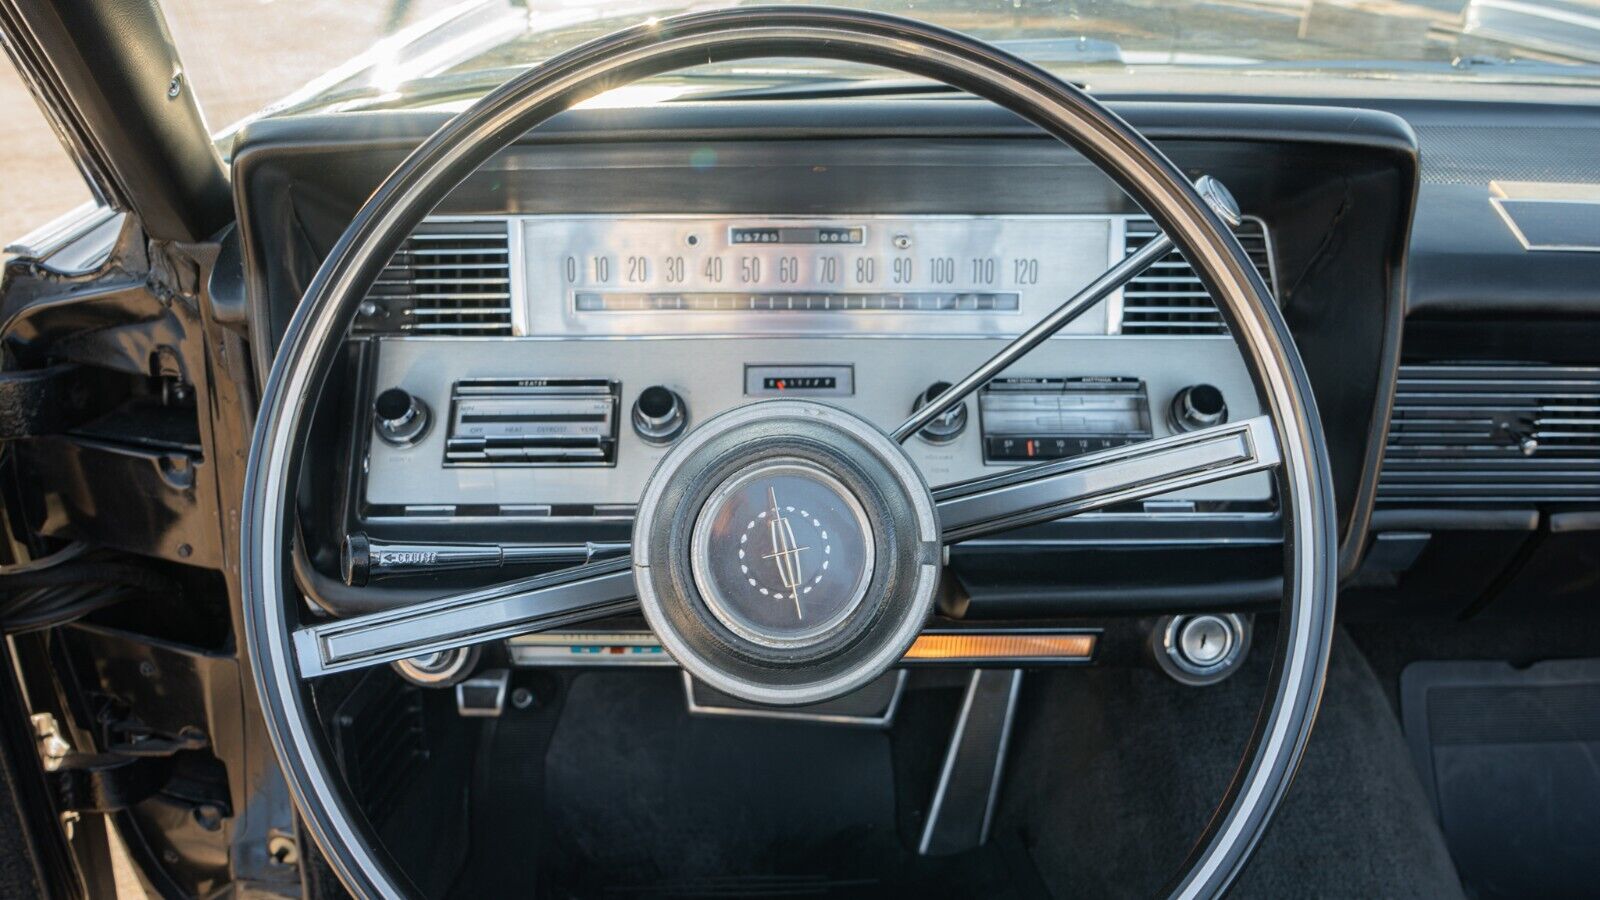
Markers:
<point>1053,418</point>
<point>532,421</point>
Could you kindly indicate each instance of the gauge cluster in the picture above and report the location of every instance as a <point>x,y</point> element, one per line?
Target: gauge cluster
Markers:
<point>626,331</point>
<point>907,275</point>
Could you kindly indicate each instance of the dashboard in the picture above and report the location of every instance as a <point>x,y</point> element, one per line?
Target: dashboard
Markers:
<point>618,276</point>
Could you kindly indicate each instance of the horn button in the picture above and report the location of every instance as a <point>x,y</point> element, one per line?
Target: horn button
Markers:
<point>786,552</point>
<point>782,554</point>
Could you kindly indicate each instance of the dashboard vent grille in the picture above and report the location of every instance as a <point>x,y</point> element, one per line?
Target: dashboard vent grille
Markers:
<point>449,277</point>
<point>1499,433</point>
<point>1169,298</point>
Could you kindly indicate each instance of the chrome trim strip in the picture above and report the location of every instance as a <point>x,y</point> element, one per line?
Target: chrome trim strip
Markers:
<point>1524,192</point>
<point>1122,474</point>
<point>532,604</point>
<point>45,240</point>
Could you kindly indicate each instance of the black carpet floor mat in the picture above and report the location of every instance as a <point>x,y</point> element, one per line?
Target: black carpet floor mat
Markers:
<point>1115,772</point>
<point>1508,758</point>
<point>1112,776</point>
<point>644,800</point>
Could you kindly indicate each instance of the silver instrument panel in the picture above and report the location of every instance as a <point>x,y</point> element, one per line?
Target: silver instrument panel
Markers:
<point>710,375</point>
<point>865,311</point>
<point>912,275</point>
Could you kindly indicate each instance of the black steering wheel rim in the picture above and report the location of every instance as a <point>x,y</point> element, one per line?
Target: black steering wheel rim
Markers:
<point>1061,110</point>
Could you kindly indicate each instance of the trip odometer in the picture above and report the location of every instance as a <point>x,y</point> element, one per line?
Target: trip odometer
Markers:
<point>687,274</point>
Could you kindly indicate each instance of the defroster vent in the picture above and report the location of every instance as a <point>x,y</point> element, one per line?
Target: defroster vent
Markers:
<point>1169,298</point>
<point>451,277</point>
<point>1504,433</point>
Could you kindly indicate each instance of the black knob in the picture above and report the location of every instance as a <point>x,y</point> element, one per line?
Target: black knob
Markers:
<point>950,423</point>
<point>401,418</point>
<point>659,415</point>
<point>1198,406</point>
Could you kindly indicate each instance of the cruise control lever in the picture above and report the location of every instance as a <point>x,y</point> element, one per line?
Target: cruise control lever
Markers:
<point>363,559</point>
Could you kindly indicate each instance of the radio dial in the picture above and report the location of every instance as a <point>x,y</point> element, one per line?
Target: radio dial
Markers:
<point>948,426</point>
<point>1198,406</point>
<point>659,415</point>
<point>402,418</point>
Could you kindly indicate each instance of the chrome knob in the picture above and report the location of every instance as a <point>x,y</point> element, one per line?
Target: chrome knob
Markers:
<point>1198,406</point>
<point>1203,641</point>
<point>659,415</point>
<point>950,423</point>
<point>1220,199</point>
<point>1200,649</point>
<point>400,417</point>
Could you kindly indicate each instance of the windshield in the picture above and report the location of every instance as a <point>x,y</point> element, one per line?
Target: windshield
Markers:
<point>263,57</point>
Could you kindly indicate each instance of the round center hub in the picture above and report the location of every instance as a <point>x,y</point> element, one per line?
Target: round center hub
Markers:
<point>782,553</point>
<point>786,552</point>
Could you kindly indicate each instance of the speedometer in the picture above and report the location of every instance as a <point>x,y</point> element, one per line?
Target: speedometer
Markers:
<point>980,275</point>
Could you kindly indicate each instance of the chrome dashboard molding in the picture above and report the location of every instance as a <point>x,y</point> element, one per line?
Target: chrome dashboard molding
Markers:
<point>1510,197</point>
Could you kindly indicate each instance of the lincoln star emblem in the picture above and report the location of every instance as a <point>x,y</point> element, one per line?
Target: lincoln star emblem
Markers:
<point>785,554</point>
<point>794,577</point>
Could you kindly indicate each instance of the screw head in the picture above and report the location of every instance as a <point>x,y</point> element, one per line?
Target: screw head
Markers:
<point>175,86</point>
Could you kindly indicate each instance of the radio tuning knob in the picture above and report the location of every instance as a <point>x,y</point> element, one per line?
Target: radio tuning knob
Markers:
<point>401,418</point>
<point>950,424</point>
<point>1198,406</point>
<point>659,415</point>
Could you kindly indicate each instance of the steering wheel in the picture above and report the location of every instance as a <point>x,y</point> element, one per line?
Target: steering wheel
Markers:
<point>735,486</point>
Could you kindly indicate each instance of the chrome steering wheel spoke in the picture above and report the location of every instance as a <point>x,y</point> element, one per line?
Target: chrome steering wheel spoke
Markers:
<point>1134,264</point>
<point>578,594</point>
<point>1039,493</point>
